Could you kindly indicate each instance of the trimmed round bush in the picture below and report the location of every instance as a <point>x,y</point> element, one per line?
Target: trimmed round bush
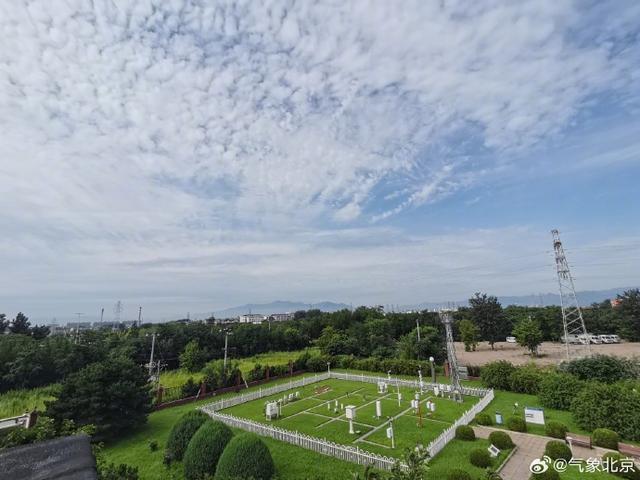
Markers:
<point>205,449</point>
<point>516,424</point>
<point>457,474</point>
<point>502,440</point>
<point>550,474</point>
<point>246,456</point>
<point>465,432</point>
<point>181,434</point>
<point>555,429</point>
<point>603,437</point>
<point>479,457</point>
<point>556,449</point>
<point>484,419</point>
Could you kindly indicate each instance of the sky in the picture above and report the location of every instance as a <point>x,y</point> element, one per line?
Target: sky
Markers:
<point>187,156</point>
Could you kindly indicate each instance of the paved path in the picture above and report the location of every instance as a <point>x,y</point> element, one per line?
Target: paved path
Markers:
<point>529,448</point>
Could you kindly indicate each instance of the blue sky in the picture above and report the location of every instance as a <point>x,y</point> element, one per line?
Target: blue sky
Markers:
<point>192,155</point>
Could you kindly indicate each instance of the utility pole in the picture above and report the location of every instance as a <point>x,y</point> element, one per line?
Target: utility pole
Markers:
<point>101,316</point>
<point>418,328</point>
<point>226,347</point>
<point>77,336</point>
<point>139,316</point>
<point>153,348</point>
<point>572,321</point>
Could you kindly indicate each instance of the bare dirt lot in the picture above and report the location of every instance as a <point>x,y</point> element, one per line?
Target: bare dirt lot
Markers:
<point>550,353</point>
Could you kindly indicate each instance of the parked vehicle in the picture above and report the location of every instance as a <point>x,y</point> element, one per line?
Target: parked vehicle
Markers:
<point>605,338</point>
<point>573,339</point>
<point>511,339</point>
<point>595,339</point>
<point>614,338</point>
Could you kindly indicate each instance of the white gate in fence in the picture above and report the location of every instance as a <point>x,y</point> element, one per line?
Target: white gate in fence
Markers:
<point>325,447</point>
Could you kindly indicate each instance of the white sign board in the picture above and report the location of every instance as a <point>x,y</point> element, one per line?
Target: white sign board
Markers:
<point>390,432</point>
<point>534,415</point>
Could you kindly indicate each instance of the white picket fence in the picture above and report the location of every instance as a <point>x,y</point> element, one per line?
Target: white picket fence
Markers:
<point>445,437</point>
<point>325,447</point>
<point>355,377</point>
<point>319,445</point>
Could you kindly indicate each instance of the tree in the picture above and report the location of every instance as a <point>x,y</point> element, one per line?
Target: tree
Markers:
<point>193,357</point>
<point>205,449</point>
<point>431,344</point>
<point>528,334</point>
<point>415,459</point>
<point>40,331</point>
<point>486,313</point>
<point>4,323</point>
<point>469,335</point>
<point>112,395</point>
<point>20,325</point>
<point>629,308</point>
<point>246,456</point>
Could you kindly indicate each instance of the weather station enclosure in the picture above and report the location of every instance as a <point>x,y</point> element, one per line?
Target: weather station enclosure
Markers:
<point>349,416</point>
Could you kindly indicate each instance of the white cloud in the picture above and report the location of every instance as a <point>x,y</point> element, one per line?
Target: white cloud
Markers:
<point>128,126</point>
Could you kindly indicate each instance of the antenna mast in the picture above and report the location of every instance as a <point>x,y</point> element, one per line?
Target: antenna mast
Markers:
<point>576,340</point>
<point>446,317</point>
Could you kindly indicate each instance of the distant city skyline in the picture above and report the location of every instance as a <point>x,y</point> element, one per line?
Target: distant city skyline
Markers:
<point>189,157</point>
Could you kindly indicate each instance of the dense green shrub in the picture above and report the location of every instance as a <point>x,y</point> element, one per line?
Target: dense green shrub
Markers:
<point>457,474</point>
<point>526,379</point>
<point>603,437</point>
<point>246,456</point>
<point>484,419</point>
<point>502,440</point>
<point>189,388</point>
<point>550,474</point>
<point>205,449</point>
<point>181,434</point>
<point>479,457</point>
<point>555,429</point>
<point>612,463</point>
<point>516,424</point>
<point>603,368</point>
<point>616,407</point>
<point>465,432</point>
<point>558,389</point>
<point>497,375</point>
<point>556,449</point>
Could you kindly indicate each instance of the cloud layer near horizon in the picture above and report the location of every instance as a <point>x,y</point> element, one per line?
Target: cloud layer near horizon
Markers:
<point>130,125</point>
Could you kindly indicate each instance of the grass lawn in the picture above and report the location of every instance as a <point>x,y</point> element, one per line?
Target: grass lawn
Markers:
<point>17,402</point>
<point>456,455</point>
<point>320,413</point>
<point>292,463</point>
<point>504,403</point>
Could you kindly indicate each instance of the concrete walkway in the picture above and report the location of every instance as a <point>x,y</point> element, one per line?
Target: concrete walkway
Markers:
<point>530,447</point>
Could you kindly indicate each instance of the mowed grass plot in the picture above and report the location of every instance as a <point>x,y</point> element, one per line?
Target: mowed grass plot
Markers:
<point>320,411</point>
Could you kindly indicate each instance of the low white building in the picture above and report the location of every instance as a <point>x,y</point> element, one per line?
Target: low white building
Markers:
<point>280,317</point>
<point>251,318</point>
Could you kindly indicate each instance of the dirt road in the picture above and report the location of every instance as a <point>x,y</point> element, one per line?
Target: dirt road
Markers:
<point>550,353</point>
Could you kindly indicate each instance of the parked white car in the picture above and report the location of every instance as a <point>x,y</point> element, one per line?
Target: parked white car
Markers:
<point>614,338</point>
<point>605,338</point>
<point>511,339</point>
<point>595,339</point>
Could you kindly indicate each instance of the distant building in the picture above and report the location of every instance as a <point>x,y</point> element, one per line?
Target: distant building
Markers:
<point>57,330</point>
<point>105,325</point>
<point>251,318</point>
<point>615,302</point>
<point>128,323</point>
<point>80,326</point>
<point>280,317</point>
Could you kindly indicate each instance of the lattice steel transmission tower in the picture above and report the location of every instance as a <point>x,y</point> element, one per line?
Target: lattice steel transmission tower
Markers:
<point>576,340</point>
<point>446,317</point>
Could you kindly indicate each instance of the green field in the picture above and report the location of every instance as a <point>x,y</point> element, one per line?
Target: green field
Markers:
<point>320,413</point>
<point>177,378</point>
<point>17,402</point>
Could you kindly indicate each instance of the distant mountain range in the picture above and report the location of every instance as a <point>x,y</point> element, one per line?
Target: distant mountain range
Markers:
<point>279,306</point>
<point>586,297</point>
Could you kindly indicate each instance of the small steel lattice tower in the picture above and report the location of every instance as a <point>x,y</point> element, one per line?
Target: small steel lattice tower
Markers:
<point>446,317</point>
<point>573,323</point>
